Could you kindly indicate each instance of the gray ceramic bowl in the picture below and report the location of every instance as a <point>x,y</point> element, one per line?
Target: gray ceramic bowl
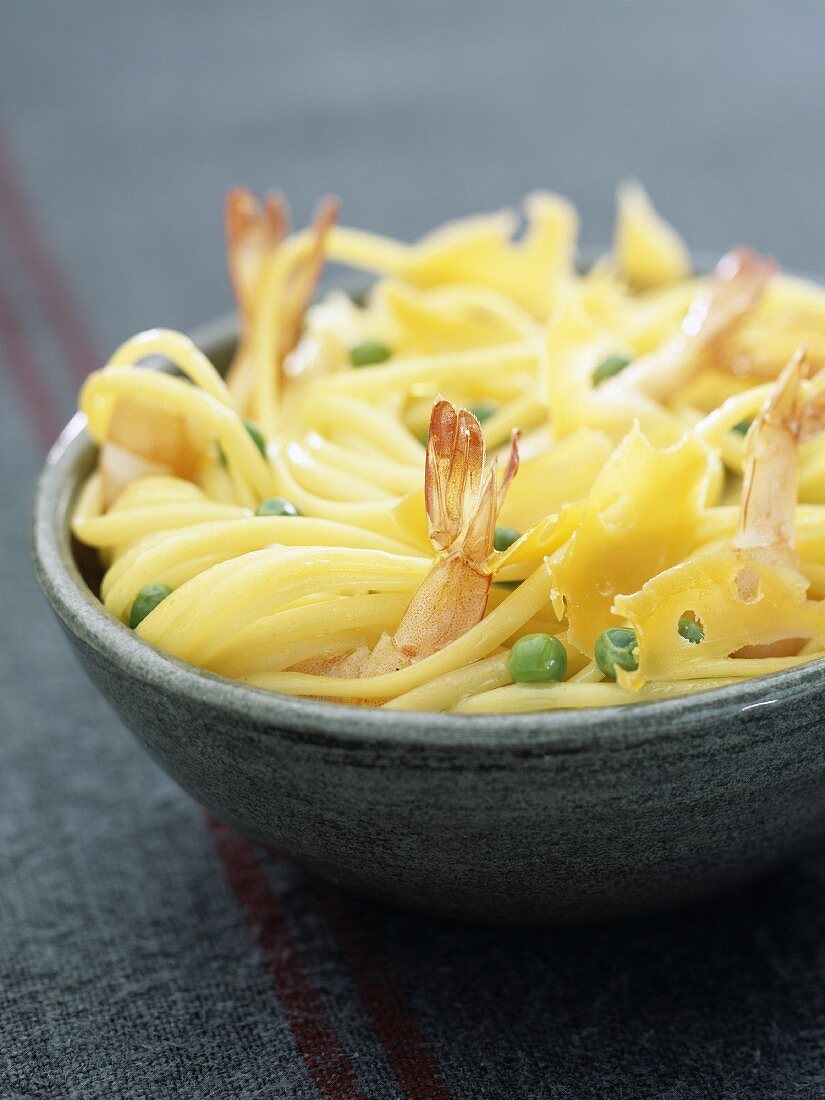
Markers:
<point>519,818</point>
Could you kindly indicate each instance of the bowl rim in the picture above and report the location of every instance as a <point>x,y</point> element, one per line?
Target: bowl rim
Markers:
<point>271,713</point>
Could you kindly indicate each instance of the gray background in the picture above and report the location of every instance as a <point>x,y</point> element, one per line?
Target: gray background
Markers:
<point>125,968</point>
<point>132,119</point>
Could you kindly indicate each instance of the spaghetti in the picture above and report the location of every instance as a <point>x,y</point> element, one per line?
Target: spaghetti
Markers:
<point>495,485</point>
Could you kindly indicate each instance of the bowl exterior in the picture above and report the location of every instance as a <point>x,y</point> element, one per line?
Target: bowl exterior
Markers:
<point>525,835</point>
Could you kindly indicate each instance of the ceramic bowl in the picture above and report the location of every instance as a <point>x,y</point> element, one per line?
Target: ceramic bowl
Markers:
<point>529,818</point>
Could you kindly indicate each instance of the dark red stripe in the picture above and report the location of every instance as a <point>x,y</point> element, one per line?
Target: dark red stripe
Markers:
<point>24,373</point>
<point>314,1033</point>
<point>395,1028</point>
<point>35,258</point>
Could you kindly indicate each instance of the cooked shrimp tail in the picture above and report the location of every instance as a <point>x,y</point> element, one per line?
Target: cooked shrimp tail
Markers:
<point>253,231</point>
<point>788,417</point>
<point>256,235</point>
<point>462,519</point>
<point>462,516</point>
<point>736,285</point>
<point>453,472</point>
<point>728,296</point>
<point>478,543</point>
<point>303,278</point>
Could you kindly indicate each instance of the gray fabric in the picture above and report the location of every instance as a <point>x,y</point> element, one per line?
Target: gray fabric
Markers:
<point>126,965</point>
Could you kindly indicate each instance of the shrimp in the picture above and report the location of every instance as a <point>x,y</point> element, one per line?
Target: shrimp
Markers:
<point>769,495</point>
<point>462,516</point>
<point>642,389</point>
<point>750,598</point>
<point>736,285</point>
<point>254,233</point>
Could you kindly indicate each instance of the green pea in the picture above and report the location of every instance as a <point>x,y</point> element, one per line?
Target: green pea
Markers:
<point>613,364</point>
<point>742,427</point>
<point>368,353</point>
<point>614,649</point>
<point>147,600</point>
<point>255,435</point>
<point>537,658</point>
<point>690,630</point>
<point>482,411</point>
<point>505,537</point>
<point>276,506</point>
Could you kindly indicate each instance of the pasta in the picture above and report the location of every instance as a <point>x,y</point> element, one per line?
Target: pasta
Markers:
<point>495,484</point>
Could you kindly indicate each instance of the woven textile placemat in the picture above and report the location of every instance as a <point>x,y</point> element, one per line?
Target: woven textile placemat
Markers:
<point>145,949</point>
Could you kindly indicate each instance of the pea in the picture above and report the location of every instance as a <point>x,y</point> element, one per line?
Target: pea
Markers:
<point>505,537</point>
<point>255,435</point>
<point>537,658</point>
<point>742,427</point>
<point>614,649</point>
<point>613,364</point>
<point>690,630</point>
<point>368,353</point>
<point>482,411</point>
<point>276,506</point>
<point>147,600</point>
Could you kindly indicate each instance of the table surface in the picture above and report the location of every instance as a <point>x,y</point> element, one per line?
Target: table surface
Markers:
<point>146,951</point>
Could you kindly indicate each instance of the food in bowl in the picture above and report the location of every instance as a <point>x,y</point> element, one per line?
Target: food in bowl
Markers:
<point>495,484</point>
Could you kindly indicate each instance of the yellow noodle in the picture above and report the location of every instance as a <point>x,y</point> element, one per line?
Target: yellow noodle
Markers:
<point>261,646</point>
<point>495,368</point>
<point>174,557</point>
<point>445,692</point>
<point>522,698</point>
<point>102,388</point>
<point>180,350</point>
<point>200,616</point>
<point>117,528</point>
<point>476,643</point>
<point>507,327</point>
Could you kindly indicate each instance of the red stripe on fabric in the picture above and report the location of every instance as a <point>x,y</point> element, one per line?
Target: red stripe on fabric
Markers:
<point>395,1028</point>
<point>320,1048</point>
<point>56,297</point>
<point>25,375</point>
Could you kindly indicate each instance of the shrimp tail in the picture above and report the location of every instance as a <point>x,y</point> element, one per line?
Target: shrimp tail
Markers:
<point>462,515</point>
<point>461,518</point>
<point>766,532</point>
<point>736,285</point>
<point>452,474</point>
<point>305,276</point>
<point>719,307</point>
<point>767,512</point>
<point>478,545</point>
<point>252,232</point>
<point>812,413</point>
